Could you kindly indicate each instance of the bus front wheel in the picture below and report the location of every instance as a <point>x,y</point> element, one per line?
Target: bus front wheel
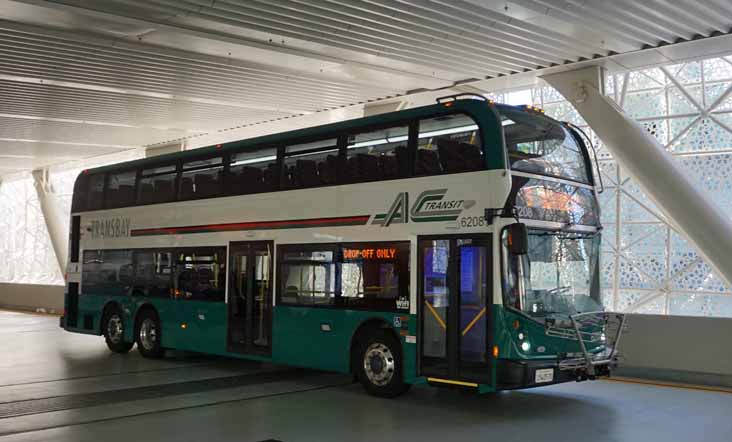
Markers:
<point>379,365</point>
<point>148,333</point>
<point>114,331</point>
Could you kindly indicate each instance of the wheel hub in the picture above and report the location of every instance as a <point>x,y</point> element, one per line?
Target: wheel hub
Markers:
<point>148,334</point>
<point>379,364</point>
<point>115,329</point>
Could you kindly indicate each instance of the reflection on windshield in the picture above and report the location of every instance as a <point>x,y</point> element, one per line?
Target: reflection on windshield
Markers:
<point>537,144</point>
<point>553,201</point>
<point>558,277</point>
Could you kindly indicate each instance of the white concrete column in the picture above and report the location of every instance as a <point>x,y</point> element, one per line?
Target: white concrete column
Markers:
<point>55,223</point>
<point>655,170</point>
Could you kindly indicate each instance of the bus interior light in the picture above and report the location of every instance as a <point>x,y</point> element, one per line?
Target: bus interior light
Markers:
<point>454,130</point>
<point>254,160</point>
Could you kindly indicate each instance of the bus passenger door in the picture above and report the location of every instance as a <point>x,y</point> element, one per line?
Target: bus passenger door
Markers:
<point>250,298</point>
<point>454,308</point>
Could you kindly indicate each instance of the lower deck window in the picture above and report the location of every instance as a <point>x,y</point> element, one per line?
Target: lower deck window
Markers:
<point>106,272</point>
<point>372,276</point>
<point>192,273</point>
<point>201,274</point>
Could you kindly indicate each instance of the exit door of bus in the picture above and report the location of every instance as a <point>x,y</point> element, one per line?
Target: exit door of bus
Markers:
<point>455,308</point>
<point>250,297</point>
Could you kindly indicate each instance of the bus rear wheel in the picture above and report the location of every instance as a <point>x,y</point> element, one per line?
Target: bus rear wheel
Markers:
<point>379,365</point>
<point>148,334</point>
<point>113,330</point>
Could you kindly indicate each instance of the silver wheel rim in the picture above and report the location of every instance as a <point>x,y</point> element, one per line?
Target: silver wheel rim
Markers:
<point>115,329</point>
<point>379,364</point>
<point>148,334</point>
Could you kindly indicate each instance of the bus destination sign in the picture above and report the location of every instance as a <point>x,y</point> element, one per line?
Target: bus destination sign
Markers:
<point>370,253</point>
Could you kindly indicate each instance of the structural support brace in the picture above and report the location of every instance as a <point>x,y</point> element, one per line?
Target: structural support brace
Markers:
<point>57,228</point>
<point>638,152</point>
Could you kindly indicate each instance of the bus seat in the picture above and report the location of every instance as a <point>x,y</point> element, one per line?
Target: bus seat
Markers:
<point>271,177</point>
<point>125,194</point>
<point>389,166</point>
<point>250,179</point>
<point>163,190</point>
<point>206,184</point>
<point>328,169</point>
<point>306,173</point>
<point>458,157</point>
<point>472,156</point>
<point>450,155</point>
<point>353,172</point>
<point>186,187</point>
<point>146,192</point>
<point>402,155</point>
<point>428,162</point>
<point>368,166</point>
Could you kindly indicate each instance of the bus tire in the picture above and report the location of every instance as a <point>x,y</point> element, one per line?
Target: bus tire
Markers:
<point>379,366</point>
<point>113,330</point>
<point>148,334</point>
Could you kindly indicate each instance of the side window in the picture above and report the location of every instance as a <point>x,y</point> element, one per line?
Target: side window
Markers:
<point>200,274</point>
<point>157,185</point>
<point>253,172</point>
<point>201,179</point>
<point>106,272</point>
<point>121,189</point>
<point>310,164</point>
<point>378,155</point>
<point>153,273</point>
<point>95,192</point>
<point>374,275</point>
<point>448,144</point>
<point>307,277</point>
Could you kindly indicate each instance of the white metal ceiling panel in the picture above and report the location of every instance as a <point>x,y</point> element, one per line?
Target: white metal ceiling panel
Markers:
<point>78,78</point>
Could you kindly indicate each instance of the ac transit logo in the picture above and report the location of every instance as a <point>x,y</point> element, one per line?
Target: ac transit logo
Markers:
<point>430,206</point>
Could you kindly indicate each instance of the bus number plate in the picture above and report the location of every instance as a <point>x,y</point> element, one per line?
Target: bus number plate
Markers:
<point>544,375</point>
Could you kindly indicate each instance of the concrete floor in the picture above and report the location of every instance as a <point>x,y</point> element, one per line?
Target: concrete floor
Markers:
<point>67,387</point>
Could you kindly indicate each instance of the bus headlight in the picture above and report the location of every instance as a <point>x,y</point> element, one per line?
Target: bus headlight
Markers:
<point>525,346</point>
<point>603,338</point>
<point>521,336</point>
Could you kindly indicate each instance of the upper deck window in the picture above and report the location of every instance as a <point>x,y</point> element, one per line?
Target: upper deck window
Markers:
<point>201,178</point>
<point>253,172</point>
<point>537,144</point>
<point>310,164</point>
<point>157,185</point>
<point>448,144</point>
<point>121,189</point>
<point>378,155</point>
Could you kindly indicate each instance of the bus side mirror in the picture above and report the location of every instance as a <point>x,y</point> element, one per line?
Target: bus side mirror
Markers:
<point>518,239</point>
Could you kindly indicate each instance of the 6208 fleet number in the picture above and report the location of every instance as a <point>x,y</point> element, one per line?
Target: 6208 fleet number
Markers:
<point>472,221</point>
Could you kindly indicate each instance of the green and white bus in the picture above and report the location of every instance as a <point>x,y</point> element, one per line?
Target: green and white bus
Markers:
<point>455,244</point>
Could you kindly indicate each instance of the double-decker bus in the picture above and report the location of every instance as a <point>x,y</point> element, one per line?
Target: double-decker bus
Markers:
<point>454,244</point>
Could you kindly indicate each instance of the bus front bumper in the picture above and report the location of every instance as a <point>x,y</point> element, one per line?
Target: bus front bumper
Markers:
<point>514,374</point>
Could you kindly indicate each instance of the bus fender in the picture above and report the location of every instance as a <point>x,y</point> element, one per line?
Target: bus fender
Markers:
<point>362,329</point>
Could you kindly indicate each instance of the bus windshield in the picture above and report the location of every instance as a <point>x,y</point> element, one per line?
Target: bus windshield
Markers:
<point>537,144</point>
<point>558,276</point>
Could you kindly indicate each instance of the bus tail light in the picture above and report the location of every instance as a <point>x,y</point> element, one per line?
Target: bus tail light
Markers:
<point>495,351</point>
